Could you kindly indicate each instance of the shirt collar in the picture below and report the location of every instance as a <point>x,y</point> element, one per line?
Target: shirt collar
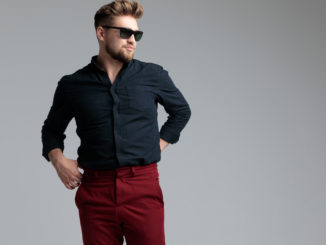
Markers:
<point>93,63</point>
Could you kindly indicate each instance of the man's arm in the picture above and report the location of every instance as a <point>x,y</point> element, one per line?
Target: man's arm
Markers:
<point>53,136</point>
<point>55,124</point>
<point>174,103</point>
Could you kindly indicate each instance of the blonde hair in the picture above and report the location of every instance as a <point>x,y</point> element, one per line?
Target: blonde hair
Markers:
<point>106,14</point>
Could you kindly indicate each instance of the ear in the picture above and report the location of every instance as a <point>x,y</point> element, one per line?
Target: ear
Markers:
<point>100,33</point>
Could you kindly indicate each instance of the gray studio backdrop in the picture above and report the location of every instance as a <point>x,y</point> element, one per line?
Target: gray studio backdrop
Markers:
<point>249,168</point>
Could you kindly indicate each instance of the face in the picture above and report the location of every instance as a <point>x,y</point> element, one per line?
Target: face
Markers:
<point>115,46</point>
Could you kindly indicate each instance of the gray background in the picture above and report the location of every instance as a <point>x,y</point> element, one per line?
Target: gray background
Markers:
<point>250,165</point>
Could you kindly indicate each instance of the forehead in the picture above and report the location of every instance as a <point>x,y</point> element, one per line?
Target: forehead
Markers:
<point>126,21</point>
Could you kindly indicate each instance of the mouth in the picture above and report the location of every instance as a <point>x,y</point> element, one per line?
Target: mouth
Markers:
<point>130,48</point>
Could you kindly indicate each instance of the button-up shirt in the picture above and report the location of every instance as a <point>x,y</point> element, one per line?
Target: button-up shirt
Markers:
<point>116,122</point>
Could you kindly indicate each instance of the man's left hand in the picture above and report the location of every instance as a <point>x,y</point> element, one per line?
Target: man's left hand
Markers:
<point>163,144</point>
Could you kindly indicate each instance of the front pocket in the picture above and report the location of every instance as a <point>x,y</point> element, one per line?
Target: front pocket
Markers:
<point>159,191</point>
<point>77,194</point>
<point>139,177</point>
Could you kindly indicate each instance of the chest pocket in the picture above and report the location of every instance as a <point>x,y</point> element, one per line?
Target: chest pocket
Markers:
<point>135,98</point>
<point>140,98</point>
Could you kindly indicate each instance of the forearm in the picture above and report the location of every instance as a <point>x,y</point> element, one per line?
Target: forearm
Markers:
<point>55,155</point>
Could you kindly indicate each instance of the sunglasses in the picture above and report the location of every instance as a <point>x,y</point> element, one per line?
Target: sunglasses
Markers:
<point>125,33</point>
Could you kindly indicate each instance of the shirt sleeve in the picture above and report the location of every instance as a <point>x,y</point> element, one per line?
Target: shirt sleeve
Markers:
<point>174,103</point>
<point>57,120</point>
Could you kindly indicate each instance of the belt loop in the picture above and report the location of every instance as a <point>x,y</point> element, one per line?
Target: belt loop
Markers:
<point>96,173</point>
<point>132,171</point>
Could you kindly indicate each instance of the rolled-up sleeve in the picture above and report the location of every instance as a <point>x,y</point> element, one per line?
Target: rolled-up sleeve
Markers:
<point>57,120</point>
<point>175,104</point>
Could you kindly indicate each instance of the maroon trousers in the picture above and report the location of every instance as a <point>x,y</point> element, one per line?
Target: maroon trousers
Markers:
<point>126,202</point>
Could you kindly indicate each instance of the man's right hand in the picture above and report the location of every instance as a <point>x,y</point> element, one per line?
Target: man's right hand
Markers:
<point>67,169</point>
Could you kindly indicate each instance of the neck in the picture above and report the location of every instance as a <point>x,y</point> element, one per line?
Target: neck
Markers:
<point>108,64</point>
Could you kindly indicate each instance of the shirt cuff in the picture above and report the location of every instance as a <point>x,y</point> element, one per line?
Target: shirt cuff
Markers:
<point>46,151</point>
<point>169,137</point>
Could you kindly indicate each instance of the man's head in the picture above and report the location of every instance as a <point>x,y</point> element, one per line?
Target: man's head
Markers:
<point>120,13</point>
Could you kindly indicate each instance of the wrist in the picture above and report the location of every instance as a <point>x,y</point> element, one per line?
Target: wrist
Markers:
<point>56,156</point>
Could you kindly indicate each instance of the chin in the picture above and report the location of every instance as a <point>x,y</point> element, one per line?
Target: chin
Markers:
<point>129,57</point>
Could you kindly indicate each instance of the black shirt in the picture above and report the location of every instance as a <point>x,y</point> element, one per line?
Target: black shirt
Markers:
<point>116,123</point>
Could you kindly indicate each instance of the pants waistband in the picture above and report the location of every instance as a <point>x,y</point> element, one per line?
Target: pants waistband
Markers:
<point>122,171</point>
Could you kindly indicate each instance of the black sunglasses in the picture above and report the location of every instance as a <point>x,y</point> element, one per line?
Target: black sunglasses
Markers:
<point>125,33</point>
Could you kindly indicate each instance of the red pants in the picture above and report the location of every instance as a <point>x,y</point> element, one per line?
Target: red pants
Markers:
<point>126,202</point>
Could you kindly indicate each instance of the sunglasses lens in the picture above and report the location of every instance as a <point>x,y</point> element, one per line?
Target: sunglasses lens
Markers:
<point>138,35</point>
<point>125,33</point>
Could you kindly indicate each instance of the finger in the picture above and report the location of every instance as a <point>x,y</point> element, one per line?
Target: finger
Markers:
<point>68,186</point>
<point>79,180</point>
<point>76,180</point>
<point>76,173</point>
<point>74,183</point>
<point>78,176</point>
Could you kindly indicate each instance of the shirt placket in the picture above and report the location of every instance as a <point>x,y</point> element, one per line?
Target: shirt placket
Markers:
<point>116,112</point>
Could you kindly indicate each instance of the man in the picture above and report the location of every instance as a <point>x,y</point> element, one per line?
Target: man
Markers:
<point>114,102</point>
